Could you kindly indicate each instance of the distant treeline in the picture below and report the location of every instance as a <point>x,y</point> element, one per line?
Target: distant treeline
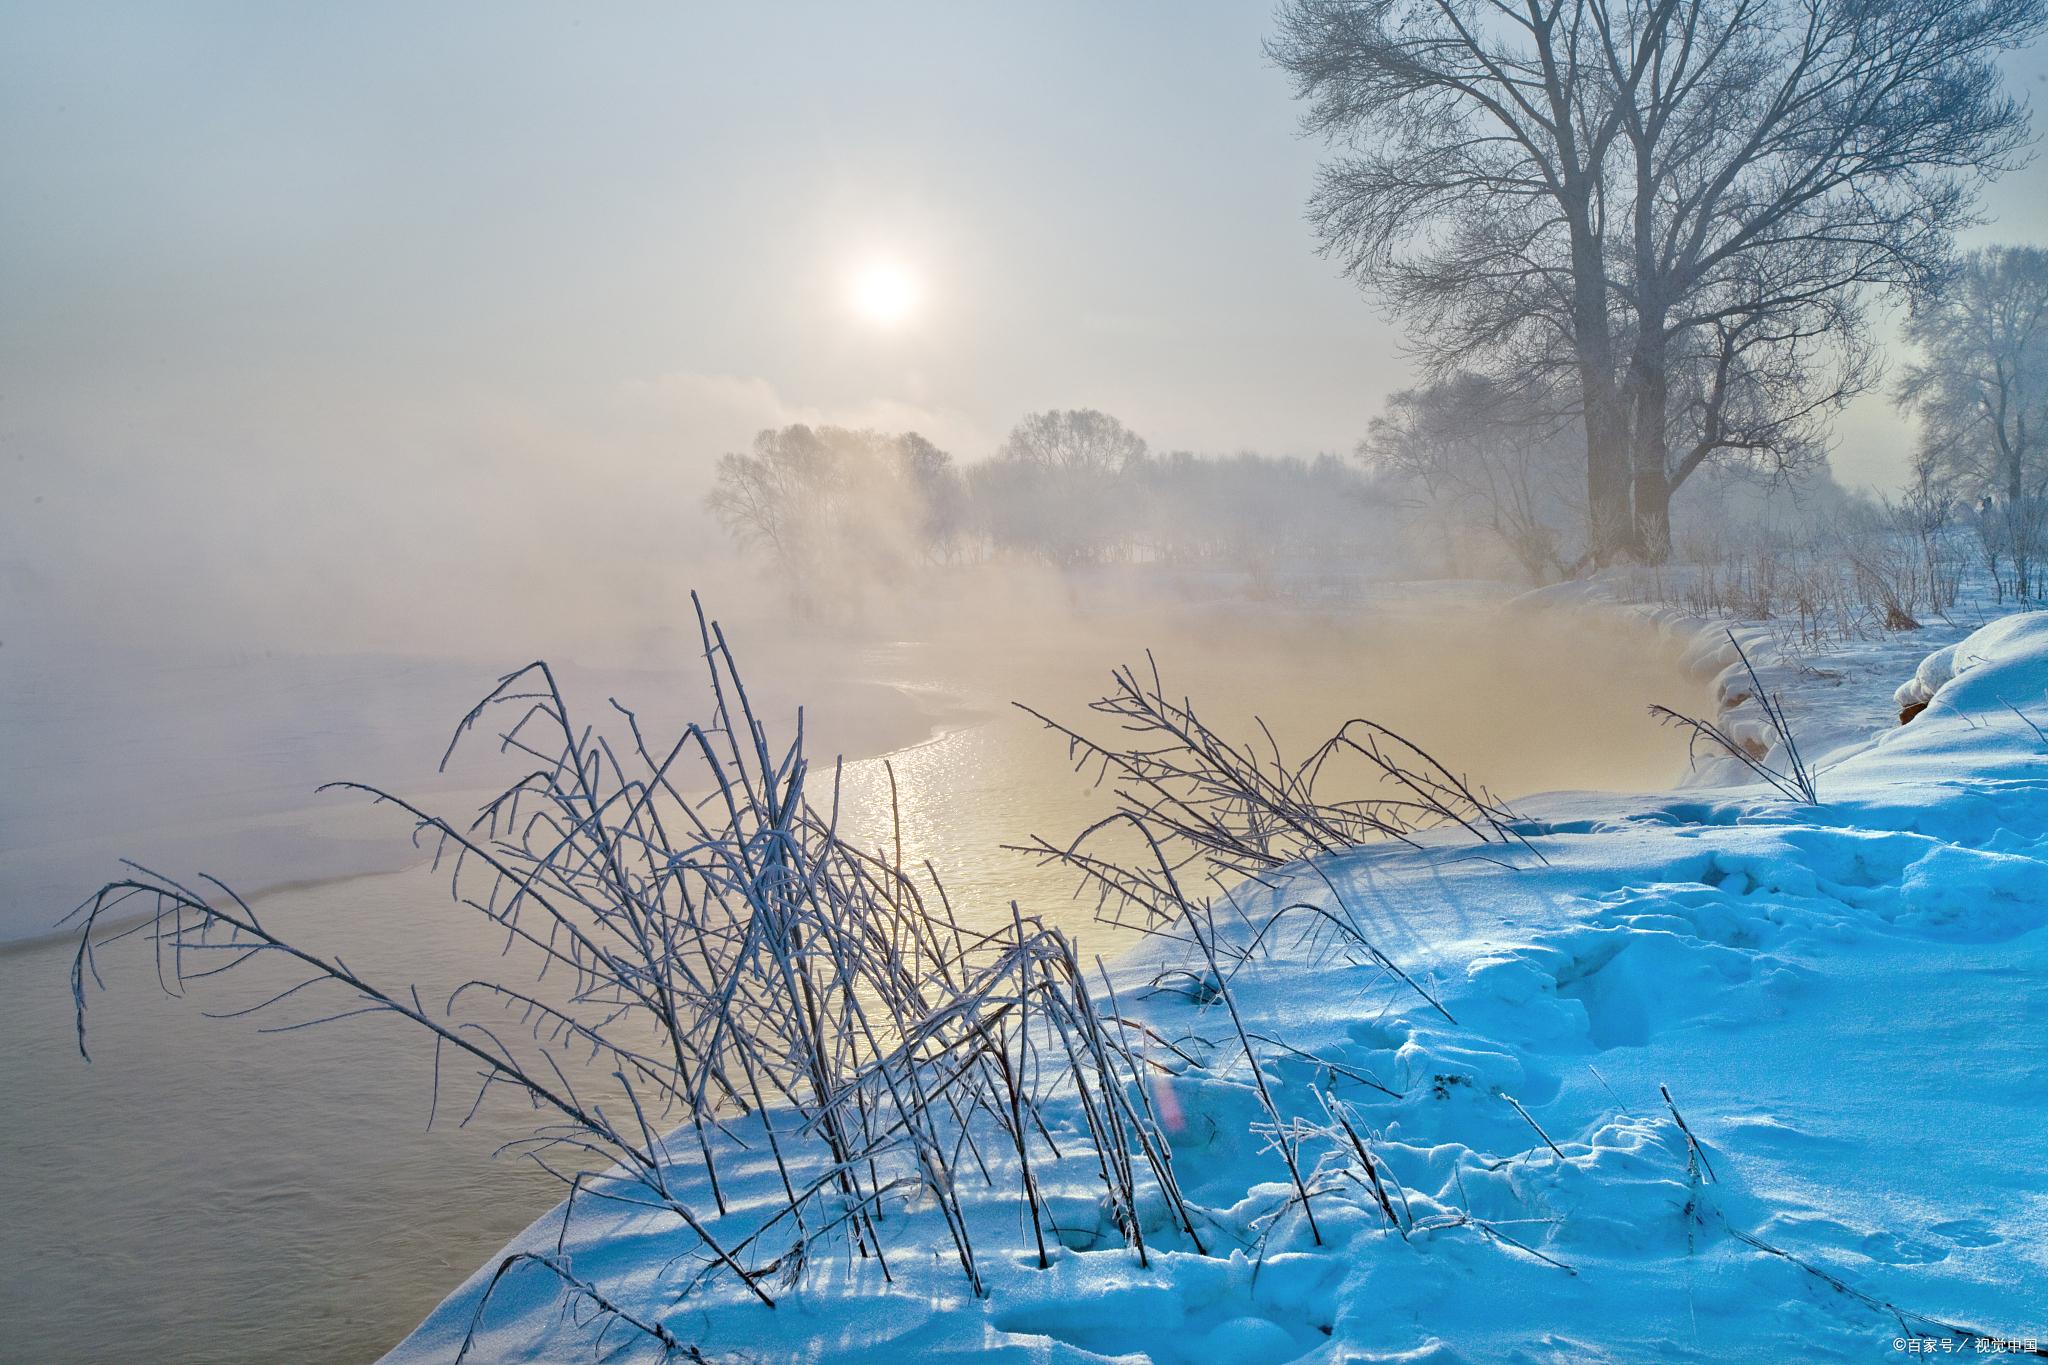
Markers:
<point>832,506</point>
<point>1456,479</point>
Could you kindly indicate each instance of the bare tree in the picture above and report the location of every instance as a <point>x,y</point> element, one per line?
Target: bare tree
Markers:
<point>1061,487</point>
<point>766,497</point>
<point>1488,458</point>
<point>1981,396</point>
<point>835,508</point>
<point>1668,209</point>
<point>939,492</point>
<point>1075,439</point>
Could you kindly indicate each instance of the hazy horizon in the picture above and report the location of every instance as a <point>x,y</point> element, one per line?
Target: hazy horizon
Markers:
<point>309,307</point>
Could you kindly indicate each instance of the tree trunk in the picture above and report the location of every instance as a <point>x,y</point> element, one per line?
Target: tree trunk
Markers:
<point>1609,525</point>
<point>1653,515</point>
<point>1610,528</point>
<point>1649,392</point>
<point>2019,517</point>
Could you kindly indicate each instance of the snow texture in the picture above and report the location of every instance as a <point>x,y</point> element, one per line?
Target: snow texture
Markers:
<point>1846,1003</point>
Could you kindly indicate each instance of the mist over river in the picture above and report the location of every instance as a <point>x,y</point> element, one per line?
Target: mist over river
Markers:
<point>237,1196</point>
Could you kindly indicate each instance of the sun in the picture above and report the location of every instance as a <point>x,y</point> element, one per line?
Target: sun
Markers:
<point>884,293</point>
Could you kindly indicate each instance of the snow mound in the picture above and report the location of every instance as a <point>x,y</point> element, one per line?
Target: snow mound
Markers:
<point>2007,644</point>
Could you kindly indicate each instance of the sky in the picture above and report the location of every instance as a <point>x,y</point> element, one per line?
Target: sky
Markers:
<point>548,208</point>
<point>318,287</point>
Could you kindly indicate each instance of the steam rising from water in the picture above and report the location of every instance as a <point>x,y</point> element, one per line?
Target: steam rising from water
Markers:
<point>191,760</point>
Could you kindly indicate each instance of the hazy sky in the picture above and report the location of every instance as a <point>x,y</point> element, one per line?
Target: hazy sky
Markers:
<point>310,284</point>
<point>546,209</point>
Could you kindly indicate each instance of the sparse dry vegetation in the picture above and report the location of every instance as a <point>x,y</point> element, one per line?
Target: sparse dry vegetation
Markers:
<point>687,968</point>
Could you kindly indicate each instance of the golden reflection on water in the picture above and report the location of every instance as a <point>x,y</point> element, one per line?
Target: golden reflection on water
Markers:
<point>1518,703</point>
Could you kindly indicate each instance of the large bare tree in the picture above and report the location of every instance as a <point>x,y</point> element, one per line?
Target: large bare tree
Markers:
<point>1668,210</point>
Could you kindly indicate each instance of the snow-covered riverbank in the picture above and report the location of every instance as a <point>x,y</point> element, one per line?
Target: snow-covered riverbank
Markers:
<point>1714,1075</point>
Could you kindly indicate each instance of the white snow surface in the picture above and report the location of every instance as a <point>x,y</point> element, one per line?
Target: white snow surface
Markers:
<point>1848,1004</point>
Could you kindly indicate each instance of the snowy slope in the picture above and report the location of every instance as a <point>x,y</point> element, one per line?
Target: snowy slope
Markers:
<point>1847,1004</point>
